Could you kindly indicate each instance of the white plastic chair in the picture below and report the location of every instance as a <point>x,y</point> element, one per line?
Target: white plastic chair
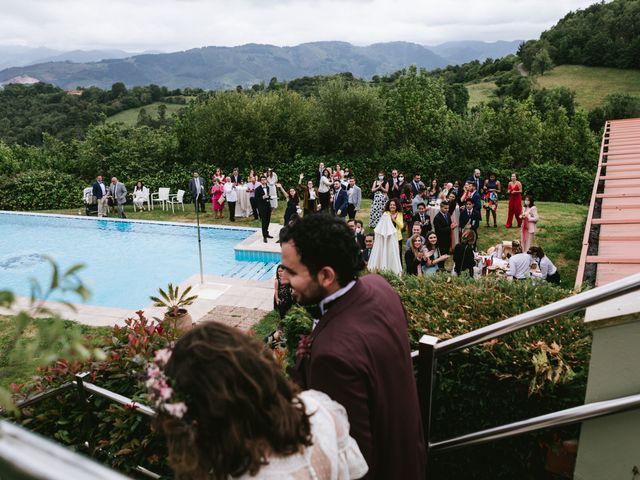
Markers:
<point>145,198</point>
<point>161,196</point>
<point>177,199</point>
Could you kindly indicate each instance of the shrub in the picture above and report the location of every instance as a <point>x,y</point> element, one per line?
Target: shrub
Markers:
<point>557,182</point>
<point>40,190</point>
<point>117,436</point>
<point>528,373</point>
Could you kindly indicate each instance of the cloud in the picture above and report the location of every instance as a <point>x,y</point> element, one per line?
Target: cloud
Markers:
<point>169,25</point>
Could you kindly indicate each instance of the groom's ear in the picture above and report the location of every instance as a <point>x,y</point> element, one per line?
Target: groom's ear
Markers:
<point>327,276</point>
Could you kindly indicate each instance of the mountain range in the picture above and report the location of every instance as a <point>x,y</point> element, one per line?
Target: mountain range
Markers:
<point>226,67</point>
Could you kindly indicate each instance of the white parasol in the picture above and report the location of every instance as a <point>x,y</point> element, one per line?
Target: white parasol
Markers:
<point>385,254</point>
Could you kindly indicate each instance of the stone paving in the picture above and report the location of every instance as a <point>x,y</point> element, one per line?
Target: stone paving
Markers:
<point>238,317</point>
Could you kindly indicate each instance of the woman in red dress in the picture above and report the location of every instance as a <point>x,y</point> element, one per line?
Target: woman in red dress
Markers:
<point>515,201</point>
<point>216,193</point>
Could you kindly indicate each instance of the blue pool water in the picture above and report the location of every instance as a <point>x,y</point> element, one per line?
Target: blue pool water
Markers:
<point>125,262</point>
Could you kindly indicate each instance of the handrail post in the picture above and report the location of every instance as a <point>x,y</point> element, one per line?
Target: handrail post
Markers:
<point>426,373</point>
<point>84,402</point>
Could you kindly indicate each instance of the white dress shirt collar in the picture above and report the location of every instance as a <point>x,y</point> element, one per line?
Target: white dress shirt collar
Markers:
<point>335,296</point>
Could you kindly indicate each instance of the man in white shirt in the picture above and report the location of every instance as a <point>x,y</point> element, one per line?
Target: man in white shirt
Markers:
<point>548,270</point>
<point>519,264</point>
<point>231,195</point>
<point>100,193</point>
<point>355,198</point>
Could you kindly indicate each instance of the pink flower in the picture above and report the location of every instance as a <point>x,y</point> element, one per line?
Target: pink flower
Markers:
<point>176,409</point>
<point>165,392</point>
<point>162,356</point>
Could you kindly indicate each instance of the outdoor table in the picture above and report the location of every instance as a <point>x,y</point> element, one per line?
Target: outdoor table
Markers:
<point>243,205</point>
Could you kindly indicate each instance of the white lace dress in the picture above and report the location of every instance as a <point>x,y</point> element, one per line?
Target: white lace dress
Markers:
<point>334,455</point>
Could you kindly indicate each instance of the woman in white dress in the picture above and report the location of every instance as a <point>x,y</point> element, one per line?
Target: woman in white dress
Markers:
<point>227,412</point>
<point>139,195</point>
<point>385,254</point>
<point>272,181</point>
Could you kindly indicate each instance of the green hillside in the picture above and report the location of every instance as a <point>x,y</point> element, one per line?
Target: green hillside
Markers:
<point>591,84</point>
<point>130,117</point>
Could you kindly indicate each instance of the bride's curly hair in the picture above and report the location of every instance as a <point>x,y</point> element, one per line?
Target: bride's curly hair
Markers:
<point>240,408</point>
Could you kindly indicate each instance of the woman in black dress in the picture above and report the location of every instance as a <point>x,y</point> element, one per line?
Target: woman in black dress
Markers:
<point>414,256</point>
<point>292,203</point>
<point>464,254</point>
<point>282,298</point>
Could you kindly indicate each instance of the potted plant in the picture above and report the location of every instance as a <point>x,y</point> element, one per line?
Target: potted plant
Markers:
<point>176,315</point>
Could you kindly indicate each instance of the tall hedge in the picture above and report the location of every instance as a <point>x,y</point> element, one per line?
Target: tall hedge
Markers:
<point>40,190</point>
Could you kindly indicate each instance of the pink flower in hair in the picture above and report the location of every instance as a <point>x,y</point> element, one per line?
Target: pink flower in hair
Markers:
<point>177,409</point>
<point>162,356</point>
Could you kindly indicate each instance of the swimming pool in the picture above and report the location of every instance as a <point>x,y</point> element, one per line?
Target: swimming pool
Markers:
<point>125,261</point>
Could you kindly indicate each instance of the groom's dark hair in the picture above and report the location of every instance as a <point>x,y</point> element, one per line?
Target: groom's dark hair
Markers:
<point>323,240</point>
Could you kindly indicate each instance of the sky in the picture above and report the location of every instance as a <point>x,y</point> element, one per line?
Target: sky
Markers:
<point>172,25</point>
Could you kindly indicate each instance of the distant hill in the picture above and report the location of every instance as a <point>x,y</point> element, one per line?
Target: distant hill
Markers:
<point>227,67</point>
<point>18,56</point>
<point>467,51</point>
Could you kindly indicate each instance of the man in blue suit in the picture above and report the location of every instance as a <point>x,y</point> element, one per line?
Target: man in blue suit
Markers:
<point>469,218</point>
<point>100,192</point>
<point>340,199</point>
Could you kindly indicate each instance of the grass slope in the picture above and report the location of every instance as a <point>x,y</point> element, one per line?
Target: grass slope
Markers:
<point>591,84</point>
<point>480,92</point>
<point>130,117</point>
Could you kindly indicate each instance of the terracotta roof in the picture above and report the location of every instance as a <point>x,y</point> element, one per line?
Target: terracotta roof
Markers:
<point>611,243</point>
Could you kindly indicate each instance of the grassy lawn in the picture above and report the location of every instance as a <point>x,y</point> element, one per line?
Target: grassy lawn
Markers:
<point>21,371</point>
<point>480,92</point>
<point>130,117</point>
<point>591,84</point>
<point>559,233</point>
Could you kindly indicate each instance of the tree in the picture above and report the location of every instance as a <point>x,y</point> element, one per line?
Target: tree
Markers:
<point>118,90</point>
<point>542,62</point>
<point>416,110</point>
<point>351,118</point>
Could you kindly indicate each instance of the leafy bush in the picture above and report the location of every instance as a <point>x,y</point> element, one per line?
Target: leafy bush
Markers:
<point>557,182</point>
<point>40,190</point>
<point>117,436</point>
<point>528,373</point>
<point>535,371</point>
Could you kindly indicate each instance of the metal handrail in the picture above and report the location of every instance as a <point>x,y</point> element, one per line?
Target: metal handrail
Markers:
<point>542,314</point>
<point>83,387</point>
<point>555,419</point>
<point>431,348</point>
<point>39,397</point>
<point>26,455</point>
<point>120,399</point>
<point>90,387</point>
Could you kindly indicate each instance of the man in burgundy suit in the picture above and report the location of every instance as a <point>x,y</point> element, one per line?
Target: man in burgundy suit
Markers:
<point>358,353</point>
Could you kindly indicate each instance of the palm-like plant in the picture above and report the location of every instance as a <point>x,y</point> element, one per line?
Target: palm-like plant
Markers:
<point>173,300</point>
